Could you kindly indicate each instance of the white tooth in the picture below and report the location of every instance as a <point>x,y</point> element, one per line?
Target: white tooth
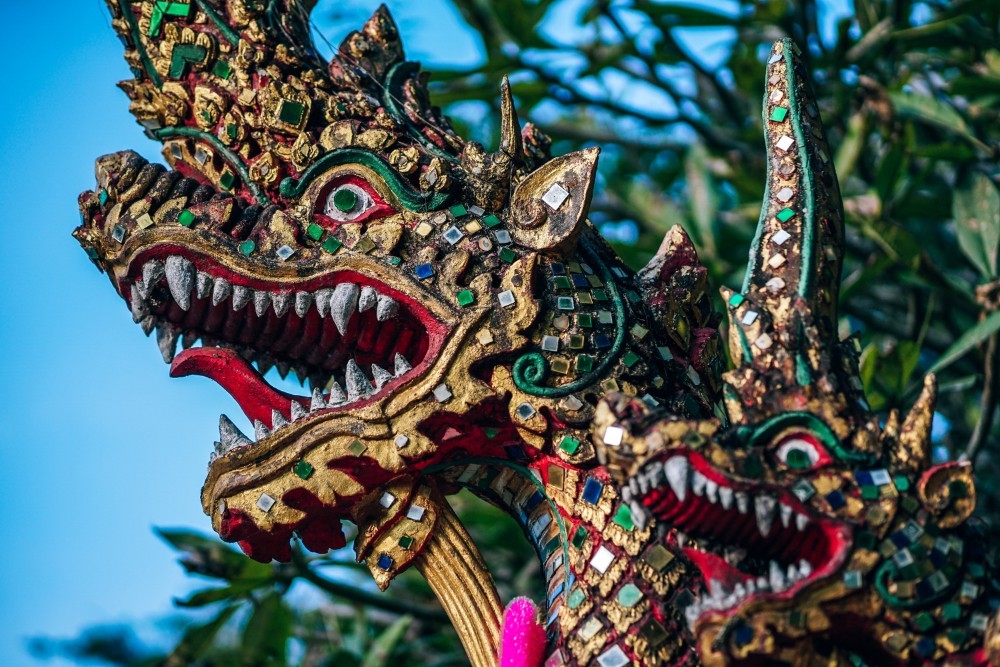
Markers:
<point>188,339</point>
<point>139,307</point>
<point>260,431</point>
<point>386,308</point>
<point>712,491</point>
<point>792,574</point>
<point>801,521</point>
<point>639,515</point>
<point>401,365</point>
<point>166,340</point>
<point>777,577</point>
<point>281,302</point>
<point>277,420</point>
<point>633,484</point>
<point>698,482</point>
<point>627,493</point>
<point>691,614</point>
<point>221,289</point>
<point>261,300</point>
<point>805,569</point>
<point>152,271</point>
<point>358,385</point>
<point>676,469</point>
<point>656,473</point>
<point>241,297</point>
<point>763,584</point>
<point>381,376</point>
<point>764,511</point>
<point>343,303</point>
<point>317,402</point>
<point>367,299</point>
<point>726,496</point>
<point>322,298</point>
<point>180,279</point>
<point>786,514</point>
<point>751,586</point>
<point>203,285</point>
<point>230,436</point>
<point>302,302</point>
<point>740,590</point>
<point>297,411</point>
<point>148,324</point>
<point>337,394</point>
<point>742,502</point>
<point>715,589</point>
<point>643,484</point>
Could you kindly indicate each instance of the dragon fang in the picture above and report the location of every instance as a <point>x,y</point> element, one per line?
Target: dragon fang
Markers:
<point>460,323</point>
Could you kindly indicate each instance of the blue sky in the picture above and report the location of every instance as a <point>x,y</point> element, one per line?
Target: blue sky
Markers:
<point>98,443</point>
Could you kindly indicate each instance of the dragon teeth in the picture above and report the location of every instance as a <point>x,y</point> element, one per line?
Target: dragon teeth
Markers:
<point>302,302</point>
<point>381,376</point>
<point>317,403</point>
<point>337,394</point>
<point>281,302</point>
<point>203,285</point>
<point>358,385</point>
<point>401,365</point>
<point>676,469</point>
<point>367,299</point>
<point>152,271</point>
<point>221,289</point>
<point>180,274</point>
<point>260,430</point>
<point>764,513</point>
<point>139,307</point>
<point>297,411</point>
<point>166,340</point>
<point>343,304</point>
<point>322,298</point>
<point>230,437</point>
<point>277,420</point>
<point>261,301</point>
<point>241,297</point>
<point>386,308</point>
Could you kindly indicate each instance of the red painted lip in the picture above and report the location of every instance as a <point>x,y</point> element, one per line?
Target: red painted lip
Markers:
<point>823,542</point>
<point>233,339</point>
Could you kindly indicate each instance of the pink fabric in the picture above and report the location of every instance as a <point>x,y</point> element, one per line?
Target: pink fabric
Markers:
<point>522,643</point>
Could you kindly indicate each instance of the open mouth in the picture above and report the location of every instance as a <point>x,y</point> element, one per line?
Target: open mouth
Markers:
<point>352,337</point>
<point>772,545</point>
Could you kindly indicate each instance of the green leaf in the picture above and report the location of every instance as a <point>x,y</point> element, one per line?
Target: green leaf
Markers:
<point>267,632</point>
<point>199,639</point>
<point>381,649</point>
<point>967,341</point>
<point>208,556</point>
<point>976,209</point>
<point>701,192</point>
<point>933,111</point>
<point>208,596</point>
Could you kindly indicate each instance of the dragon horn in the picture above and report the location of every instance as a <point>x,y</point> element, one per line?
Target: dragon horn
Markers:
<point>510,127</point>
<point>794,269</point>
<point>783,323</point>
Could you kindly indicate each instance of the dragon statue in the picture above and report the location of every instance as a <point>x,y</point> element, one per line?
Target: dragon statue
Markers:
<point>461,324</point>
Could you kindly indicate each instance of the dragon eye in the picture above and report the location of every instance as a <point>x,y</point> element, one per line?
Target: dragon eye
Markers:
<point>351,199</point>
<point>801,451</point>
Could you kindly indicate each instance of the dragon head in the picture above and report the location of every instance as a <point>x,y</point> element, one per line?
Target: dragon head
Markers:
<point>444,302</point>
<point>822,534</point>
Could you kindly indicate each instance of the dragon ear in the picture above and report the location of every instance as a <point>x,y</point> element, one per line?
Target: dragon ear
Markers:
<point>913,444</point>
<point>550,204</point>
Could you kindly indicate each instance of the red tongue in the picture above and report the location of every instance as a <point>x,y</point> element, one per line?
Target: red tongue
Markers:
<point>714,568</point>
<point>256,397</point>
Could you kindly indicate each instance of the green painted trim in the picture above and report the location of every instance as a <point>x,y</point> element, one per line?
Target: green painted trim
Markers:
<point>744,343</point>
<point>524,472</point>
<point>887,569</point>
<point>531,368</point>
<point>392,95</point>
<point>764,433</point>
<point>136,34</point>
<point>808,209</point>
<point>230,157</point>
<point>419,202</point>
<point>231,36</point>
<point>184,55</point>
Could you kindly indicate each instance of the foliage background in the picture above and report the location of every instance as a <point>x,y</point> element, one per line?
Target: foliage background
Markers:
<point>909,93</point>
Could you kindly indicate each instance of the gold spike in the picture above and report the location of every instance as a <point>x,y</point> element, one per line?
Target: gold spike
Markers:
<point>510,126</point>
<point>913,449</point>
